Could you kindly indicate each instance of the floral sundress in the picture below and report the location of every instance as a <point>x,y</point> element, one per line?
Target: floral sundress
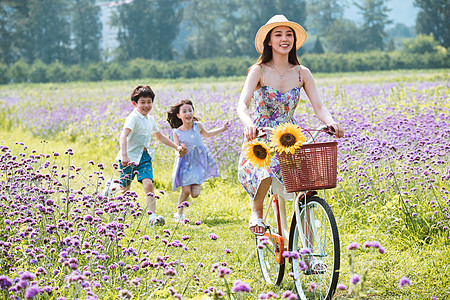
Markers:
<point>272,108</point>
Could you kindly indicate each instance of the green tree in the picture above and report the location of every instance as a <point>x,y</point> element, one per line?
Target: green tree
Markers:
<point>147,29</point>
<point>86,30</point>
<point>6,46</point>
<point>228,27</point>
<point>50,30</point>
<point>433,17</point>
<point>322,15</point>
<point>375,19</point>
<point>40,29</point>
<point>344,36</point>
<point>318,48</point>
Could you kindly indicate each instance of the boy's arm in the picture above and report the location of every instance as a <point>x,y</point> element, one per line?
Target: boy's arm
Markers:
<point>123,145</point>
<point>166,141</point>
<point>205,133</point>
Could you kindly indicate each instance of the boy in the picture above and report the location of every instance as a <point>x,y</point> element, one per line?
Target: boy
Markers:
<point>135,157</point>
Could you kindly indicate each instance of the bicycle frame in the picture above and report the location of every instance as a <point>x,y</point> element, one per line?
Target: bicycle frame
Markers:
<point>279,207</point>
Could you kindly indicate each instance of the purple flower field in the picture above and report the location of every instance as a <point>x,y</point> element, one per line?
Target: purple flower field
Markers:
<point>59,237</point>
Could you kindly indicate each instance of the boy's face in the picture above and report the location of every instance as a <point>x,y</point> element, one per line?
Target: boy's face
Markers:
<point>144,105</point>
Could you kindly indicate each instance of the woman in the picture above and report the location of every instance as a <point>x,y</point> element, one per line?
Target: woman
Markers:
<point>274,84</point>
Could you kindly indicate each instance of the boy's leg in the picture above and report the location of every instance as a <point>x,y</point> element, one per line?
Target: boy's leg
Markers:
<point>149,192</point>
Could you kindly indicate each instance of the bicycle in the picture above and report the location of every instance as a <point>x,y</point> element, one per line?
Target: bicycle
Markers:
<point>313,235</point>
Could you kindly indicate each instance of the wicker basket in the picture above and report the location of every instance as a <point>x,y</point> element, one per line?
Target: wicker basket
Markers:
<point>311,167</point>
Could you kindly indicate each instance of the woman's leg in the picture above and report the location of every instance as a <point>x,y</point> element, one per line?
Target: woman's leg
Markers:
<point>258,205</point>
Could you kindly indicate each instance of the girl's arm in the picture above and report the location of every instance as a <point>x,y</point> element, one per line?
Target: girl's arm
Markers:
<point>250,85</point>
<point>124,146</point>
<point>166,141</point>
<point>205,133</point>
<point>320,110</point>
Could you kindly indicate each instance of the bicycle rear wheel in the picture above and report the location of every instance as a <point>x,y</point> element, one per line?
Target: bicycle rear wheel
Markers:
<point>270,247</point>
<point>318,233</point>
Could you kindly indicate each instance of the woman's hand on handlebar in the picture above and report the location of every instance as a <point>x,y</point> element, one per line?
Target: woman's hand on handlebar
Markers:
<point>337,129</point>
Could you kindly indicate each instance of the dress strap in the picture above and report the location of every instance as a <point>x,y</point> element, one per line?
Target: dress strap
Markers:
<point>299,76</point>
<point>262,74</point>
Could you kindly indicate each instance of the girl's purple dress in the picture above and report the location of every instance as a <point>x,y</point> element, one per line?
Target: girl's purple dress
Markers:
<point>272,108</point>
<point>197,165</point>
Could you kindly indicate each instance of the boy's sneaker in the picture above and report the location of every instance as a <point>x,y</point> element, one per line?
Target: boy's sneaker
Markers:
<point>157,221</point>
<point>178,218</point>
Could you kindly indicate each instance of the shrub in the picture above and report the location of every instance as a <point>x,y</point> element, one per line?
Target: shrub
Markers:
<point>113,72</point>
<point>420,45</point>
<point>94,72</point>
<point>4,76</point>
<point>38,72</point>
<point>57,72</point>
<point>19,71</point>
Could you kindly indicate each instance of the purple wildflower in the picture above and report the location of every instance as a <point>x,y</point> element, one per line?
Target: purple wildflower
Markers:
<point>32,291</point>
<point>354,279</point>
<point>404,281</point>
<point>240,286</point>
<point>353,246</point>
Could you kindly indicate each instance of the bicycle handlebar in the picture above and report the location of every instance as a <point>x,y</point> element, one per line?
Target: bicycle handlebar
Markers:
<point>323,128</point>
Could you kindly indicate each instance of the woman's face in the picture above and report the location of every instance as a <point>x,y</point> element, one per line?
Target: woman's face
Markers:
<point>282,39</point>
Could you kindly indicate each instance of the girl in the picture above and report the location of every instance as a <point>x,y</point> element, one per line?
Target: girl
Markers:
<point>197,165</point>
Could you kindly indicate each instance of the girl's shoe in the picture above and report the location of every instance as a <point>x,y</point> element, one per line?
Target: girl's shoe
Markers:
<point>157,221</point>
<point>178,218</point>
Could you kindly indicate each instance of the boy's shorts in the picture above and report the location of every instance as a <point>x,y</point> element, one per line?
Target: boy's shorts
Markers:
<point>144,170</point>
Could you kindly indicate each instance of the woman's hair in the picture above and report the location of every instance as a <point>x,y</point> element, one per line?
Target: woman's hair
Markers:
<point>266,56</point>
<point>172,117</point>
<point>142,91</point>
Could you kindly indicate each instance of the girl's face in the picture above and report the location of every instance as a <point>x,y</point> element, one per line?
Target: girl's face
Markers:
<point>144,105</point>
<point>186,113</point>
<point>282,39</point>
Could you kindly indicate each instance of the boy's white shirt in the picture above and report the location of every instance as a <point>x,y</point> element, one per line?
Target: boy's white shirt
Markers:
<point>142,127</point>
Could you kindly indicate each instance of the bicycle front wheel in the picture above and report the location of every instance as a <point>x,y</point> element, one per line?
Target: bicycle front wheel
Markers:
<point>270,247</point>
<point>316,239</point>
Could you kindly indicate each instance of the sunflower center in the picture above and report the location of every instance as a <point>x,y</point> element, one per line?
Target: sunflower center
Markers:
<point>260,152</point>
<point>287,139</point>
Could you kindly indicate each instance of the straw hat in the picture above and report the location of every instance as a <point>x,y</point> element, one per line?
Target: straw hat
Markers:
<point>275,21</point>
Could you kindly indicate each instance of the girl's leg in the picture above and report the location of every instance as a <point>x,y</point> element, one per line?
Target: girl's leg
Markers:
<point>148,188</point>
<point>258,205</point>
<point>185,192</point>
<point>195,190</point>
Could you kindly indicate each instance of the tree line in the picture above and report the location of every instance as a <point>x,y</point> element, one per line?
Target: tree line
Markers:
<point>70,31</point>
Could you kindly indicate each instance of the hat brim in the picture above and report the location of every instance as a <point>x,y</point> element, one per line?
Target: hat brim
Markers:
<point>300,34</point>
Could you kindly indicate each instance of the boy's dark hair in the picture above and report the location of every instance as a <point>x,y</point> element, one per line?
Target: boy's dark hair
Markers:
<point>142,91</point>
<point>172,117</point>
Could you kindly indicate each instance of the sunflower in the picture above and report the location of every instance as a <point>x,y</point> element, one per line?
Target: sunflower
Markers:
<point>258,153</point>
<point>287,137</point>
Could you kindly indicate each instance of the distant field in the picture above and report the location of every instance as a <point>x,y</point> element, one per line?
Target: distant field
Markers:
<point>393,188</point>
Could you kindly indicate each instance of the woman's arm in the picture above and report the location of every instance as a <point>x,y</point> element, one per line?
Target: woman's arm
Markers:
<point>320,110</point>
<point>205,133</point>
<point>250,85</point>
